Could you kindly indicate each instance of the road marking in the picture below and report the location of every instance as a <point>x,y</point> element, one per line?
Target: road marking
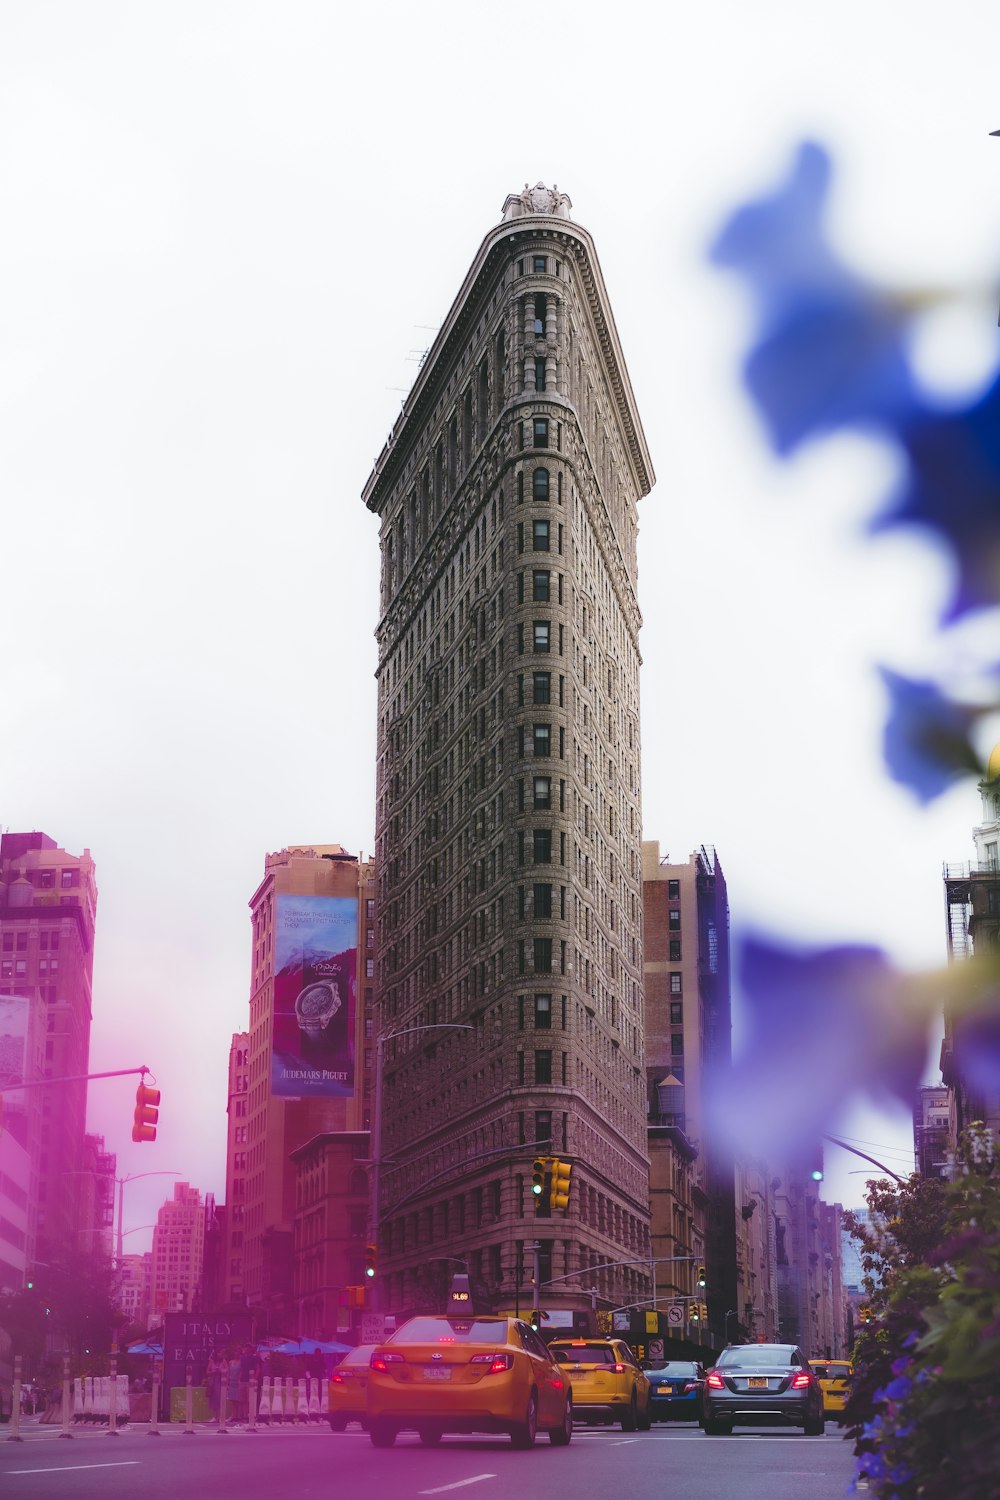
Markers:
<point>72,1468</point>
<point>458,1485</point>
<point>622,1443</point>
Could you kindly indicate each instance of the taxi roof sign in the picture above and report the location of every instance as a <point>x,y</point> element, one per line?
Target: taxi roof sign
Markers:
<point>460,1295</point>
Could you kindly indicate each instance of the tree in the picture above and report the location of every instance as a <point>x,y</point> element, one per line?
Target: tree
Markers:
<point>924,1410</point>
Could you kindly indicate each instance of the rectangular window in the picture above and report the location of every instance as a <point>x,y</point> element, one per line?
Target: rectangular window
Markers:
<point>541,685</point>
<point>540,432</point>
<point>674,919</point>
<point>543,1066</point>
<point>542,900</point>
<point>675,950</point>
<point>543,1012</point>
<point>675,984</point>
<point>542,845</point>
<point>68,878</point>
<point>676,1013</point>
<point>543,1125</point>
<point>540,586</point>
<point>539,374</point>
<point>541,739</point>
<point>541,265</point>
<point>369,968</point>
<point>673,890</point>
<point>540,635</point>
<point>543,791</point>
<point>677,1044</point>
<point>540,535</point>
<point>543,955</point>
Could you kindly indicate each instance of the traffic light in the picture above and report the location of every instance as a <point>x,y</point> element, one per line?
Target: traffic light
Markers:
<point>700,1279</point>
<point>703,1312</point>
<point>694,1312</point>
<point>536,1319</point>
<point>539,1180</point>
<point>147,1113</point>
<point>865,1315</point>
<point>815,1162</point>
<point>559,1184</point>
<point>371,1260</point>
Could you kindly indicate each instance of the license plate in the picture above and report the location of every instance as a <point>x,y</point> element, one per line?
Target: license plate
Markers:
<point>437,1372</point>
<point>757,1383</point>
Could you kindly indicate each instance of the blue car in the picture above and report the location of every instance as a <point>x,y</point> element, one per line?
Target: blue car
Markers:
<point>675,1387</point>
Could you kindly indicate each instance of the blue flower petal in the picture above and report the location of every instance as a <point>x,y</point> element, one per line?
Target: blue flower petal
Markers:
<point>953,488</point>
<point>926,739</point>
<point>829,349</point>
<point>805,1013</point>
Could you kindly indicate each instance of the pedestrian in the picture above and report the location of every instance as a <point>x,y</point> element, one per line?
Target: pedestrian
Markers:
<point>250,1369</point>
<point>232,1378</point>
<point>213,1383</point>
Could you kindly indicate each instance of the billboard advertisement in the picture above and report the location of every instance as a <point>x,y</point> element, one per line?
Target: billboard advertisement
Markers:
<point>312,1048</point>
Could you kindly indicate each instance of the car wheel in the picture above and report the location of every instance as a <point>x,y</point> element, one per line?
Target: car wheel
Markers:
<point>337,1424</point>
<point>630,1416</point>
<point>382,1433</point>
<point>816,1427</point>
<point>523,1435</point>
<point>430,1436</point>
<point>645,1419</point>
<point>560,1436</point>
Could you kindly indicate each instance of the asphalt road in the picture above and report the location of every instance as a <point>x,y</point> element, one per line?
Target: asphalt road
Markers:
<point>297,1464</point>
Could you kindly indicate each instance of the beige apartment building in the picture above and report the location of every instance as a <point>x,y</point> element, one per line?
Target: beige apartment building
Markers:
<point>302,1069</point>
<point>178,1251</point>
<point>688,1032</point>
<point>508,786</point>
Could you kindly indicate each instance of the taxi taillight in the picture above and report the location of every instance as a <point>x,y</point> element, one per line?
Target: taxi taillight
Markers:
<point>497,1362</point>
<point>384,1358</point>
<point>620,1369</point>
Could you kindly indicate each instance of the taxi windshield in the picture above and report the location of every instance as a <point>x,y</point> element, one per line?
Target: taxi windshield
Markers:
<point>585,1354</point>
<point>452,1331</point>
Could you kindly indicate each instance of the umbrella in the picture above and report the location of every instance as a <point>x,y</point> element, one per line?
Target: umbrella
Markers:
<point>307,1346</point>
<point>144,1348</point>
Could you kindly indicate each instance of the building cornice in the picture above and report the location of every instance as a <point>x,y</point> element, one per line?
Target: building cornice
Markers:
<point>497,247</point>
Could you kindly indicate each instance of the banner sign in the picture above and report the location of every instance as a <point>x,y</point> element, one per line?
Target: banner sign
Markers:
<point>192,1338</point>
<point>13,1038</point>
<point>312,1050</point>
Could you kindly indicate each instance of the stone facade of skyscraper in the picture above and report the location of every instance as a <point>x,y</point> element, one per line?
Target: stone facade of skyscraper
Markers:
<point>508,787</point>
<point>48,910</point>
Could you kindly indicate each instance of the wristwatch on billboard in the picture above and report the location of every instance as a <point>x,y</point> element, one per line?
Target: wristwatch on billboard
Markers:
<point>315,1008</point>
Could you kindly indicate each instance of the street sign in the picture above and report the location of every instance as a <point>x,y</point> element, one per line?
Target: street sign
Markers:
<point>372,1327</point>
<point>675,1315</point>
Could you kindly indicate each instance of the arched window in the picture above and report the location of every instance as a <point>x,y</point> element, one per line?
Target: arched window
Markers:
<point>540,484</point>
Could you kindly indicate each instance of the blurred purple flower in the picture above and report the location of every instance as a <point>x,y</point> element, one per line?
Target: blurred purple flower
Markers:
<point>821,1025</point>
<point>976,1046</point>
<point>926,737</point>
<point>953,488</point>
<point>829,349</point>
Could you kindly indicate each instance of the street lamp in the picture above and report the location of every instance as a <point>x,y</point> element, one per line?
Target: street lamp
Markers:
<point>120,1184</point>
<point>376,1128</point>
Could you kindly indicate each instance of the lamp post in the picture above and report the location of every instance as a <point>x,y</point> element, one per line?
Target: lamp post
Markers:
<point>120,1185</point>
<point>376,1129</point>
<point>732,1313</point>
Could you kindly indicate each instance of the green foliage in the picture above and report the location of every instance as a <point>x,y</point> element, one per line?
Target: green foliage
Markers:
<point>925,1409</point>
<point>69,1307</point>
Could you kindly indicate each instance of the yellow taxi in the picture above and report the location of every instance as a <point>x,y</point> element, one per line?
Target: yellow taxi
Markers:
<point>834,1375</point>
<point>450,1373</point>
<point>347,1386</point>
<point>607,1381</point>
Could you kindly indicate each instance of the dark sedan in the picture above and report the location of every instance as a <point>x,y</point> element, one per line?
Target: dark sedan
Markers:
<point>675,1387</point>
<point>753,1383</point>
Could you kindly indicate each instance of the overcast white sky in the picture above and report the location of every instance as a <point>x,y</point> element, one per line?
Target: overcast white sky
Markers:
<point>229,229</point>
